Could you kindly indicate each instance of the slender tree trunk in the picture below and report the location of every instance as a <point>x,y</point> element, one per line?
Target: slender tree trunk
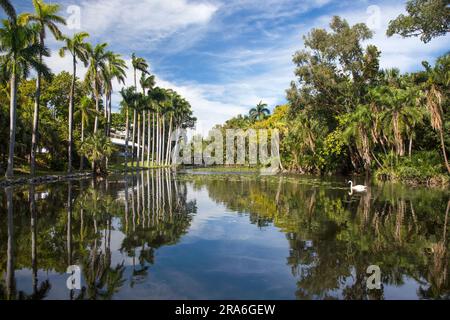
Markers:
<point>109,114</point>
<point>163,140</point>
<point>134,123</point>
<point>82,140</point>
<point>97,108</point>
<point>148,138</point>
<point>441,134</point>
<point>143,137</point>
<point>153,138</point>
<point>133,138</point>
<point>127,133</point>
<point>157,139</point>
<point>12,126</point>
<point>71,108</point>
<point>169,141</point>
<point>37,100</point>
<point>105,115</point>
<point>138,139</point>
<point>34,137</point>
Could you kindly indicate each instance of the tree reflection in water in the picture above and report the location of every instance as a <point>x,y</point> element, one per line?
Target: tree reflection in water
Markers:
<point>113,228</point>
<point>77,230</point>
<point>334,237</point>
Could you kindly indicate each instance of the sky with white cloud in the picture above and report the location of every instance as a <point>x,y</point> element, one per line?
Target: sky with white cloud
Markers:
<point>225,56</point>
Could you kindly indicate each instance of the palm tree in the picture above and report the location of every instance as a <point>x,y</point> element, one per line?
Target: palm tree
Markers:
<point>19,54</point>
<point>98,58</point>
<point>159,97</point>
<point>85,112</point>
<point>97,148</point>
<point>115,71</point>
<point>45,17</point>
<point>436,86</point>
<point>128,101</point>
<point>7,6</point>
<point>78,49</point>
<point>259,112</point>
<point>141,65</point>
<point>147,82</point>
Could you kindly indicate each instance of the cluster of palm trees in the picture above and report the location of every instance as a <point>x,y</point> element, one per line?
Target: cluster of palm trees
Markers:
<point>158,115</point>
<point>23,49</point>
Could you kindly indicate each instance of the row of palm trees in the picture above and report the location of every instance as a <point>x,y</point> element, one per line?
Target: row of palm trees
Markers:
<point>23,49</point>
<point>158,116</point>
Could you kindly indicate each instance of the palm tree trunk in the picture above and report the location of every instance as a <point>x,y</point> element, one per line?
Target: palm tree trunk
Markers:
<point>163,142</point>
<point>157,139</point>
<point>153,138</point>
<point>169,140</point>
<point>34,137</point>
<point>37,100</point>
<point>127,133</point>
<point>105,114</point>
<point>133,138</point>
<point>71,107</point>
<point>143,137</point>
<point>139,139</point>
<point>109,114</point>
<point>12,125</point>
<point>149,131</point>
<point>441,134</point>
<point>97,108</point>
<point>82,140</point>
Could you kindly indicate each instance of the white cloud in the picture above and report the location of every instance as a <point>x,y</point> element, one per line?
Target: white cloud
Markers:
<point>141,23</point>
<point>396,52</point>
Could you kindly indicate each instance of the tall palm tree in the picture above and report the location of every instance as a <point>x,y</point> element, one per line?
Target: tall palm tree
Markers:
<point>116,70</point>
<point>147,83</point>
<point>128,101</point>
<point>78,49</point>
<point>20,53</point>
<point>45,17</point>
<point>98,58</point>
<point>86,111</point>
<point>259,112</point>
<point>436,86</point>
<point>7,6</point>
<point>159,97</point>
<point>141,65</point>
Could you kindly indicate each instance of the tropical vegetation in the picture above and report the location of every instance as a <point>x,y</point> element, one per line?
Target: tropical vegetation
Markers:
<point>347,115</point>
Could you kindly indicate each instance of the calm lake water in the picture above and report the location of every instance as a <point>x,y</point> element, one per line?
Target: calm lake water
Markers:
<point>161,235</point>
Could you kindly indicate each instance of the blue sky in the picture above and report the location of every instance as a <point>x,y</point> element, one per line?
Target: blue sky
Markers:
<point>226,56</point>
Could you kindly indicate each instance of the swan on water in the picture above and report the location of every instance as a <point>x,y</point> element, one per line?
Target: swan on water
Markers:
<point>357,188</point>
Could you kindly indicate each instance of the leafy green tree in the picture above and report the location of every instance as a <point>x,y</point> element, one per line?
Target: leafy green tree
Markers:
<point>426,19</point>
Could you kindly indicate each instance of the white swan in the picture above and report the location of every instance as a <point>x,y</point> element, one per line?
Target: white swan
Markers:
<point>357,188</point>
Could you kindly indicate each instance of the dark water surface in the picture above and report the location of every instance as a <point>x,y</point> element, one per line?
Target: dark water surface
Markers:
<point>157,235</point>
